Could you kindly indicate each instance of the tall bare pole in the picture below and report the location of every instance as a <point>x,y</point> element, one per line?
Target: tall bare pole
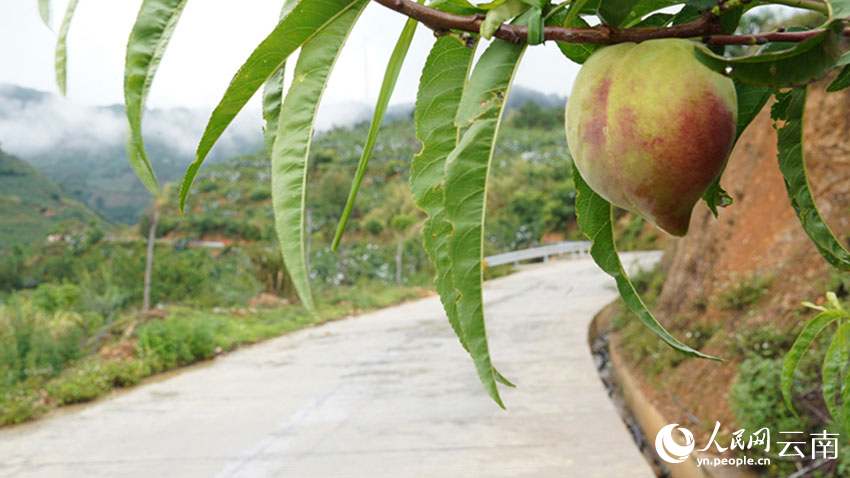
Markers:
<point>146,294</point>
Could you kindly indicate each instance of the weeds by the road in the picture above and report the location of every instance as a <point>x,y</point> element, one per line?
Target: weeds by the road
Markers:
<point>45,364</point>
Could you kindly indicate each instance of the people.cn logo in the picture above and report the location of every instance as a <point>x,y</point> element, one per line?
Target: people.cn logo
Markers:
<point>668,449</point>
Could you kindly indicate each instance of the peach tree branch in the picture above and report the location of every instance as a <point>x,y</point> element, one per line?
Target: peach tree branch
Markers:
<point>707,27</point>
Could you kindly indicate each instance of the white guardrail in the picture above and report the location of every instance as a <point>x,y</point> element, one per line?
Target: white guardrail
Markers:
<point>568,247</point>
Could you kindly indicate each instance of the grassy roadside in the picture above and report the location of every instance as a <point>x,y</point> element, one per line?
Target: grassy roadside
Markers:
<point>181,337</point>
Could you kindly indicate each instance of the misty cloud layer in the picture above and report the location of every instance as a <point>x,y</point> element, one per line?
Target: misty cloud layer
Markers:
<point>33,123</point>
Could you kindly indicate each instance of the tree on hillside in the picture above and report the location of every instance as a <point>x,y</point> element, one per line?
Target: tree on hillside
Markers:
<point>651,119</point>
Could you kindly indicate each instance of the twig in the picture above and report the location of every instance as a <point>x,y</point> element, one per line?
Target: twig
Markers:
<point>707,27</point>
<point>762,38</point>
<point>440,21</point>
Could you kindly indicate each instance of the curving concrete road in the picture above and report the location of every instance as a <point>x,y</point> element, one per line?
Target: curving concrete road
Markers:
<point>387,394</point>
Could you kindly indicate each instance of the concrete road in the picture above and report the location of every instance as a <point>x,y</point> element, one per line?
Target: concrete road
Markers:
<point>387,394</point>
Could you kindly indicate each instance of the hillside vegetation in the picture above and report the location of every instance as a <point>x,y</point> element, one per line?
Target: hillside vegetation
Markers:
<point>31,207</point>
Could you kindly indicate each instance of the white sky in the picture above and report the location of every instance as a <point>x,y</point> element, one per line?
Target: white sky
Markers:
<point>212,40</point>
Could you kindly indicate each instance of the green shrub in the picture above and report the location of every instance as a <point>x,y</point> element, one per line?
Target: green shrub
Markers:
<point>745,292</point>
<point>757,402</point>
<point>126,373</point>
<point>36,344</point>
<point>19,404</point>
<point>765,340</point>
<point>80,384</point>
<point>52,298</point>
<point>180,340</point>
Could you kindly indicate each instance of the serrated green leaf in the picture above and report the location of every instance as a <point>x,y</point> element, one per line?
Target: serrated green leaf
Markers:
<point>803,63</point>
<point>438,97</point>
<point>804,340</point>
<point>387,86</point>
<point>306,20</point>
<point>467,170</point>
<point>272,102</point>
<point>149,38</point>
<point>273,90</point>
<point>61,47</point>
<point>594,215</point>
<point>44,12</point>
<point>499,15</point>
<point>841,81</point>
<point>292,143</point>
<point>790,108</point>
<point>834,363</point>
<point>751,99</point>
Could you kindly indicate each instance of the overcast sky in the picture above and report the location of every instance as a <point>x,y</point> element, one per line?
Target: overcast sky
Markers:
<point>212,40</point>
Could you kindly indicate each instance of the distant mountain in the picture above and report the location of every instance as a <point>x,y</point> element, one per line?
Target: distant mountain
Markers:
<point>31,206</point>
<point>81,148</point>
<point>521,95</point>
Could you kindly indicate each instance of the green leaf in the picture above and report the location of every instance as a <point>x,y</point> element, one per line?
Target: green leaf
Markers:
<point>387,87</point>
<point>272,102</point>
<point>306,20</point>
<point>438,97</point>
<point>499,15</point>
<point>687,14</point>
<point>467,170</point>
<point>273,91</point>
<point>656,20</point>
<point>61,47</point>
<point>292,143</point>
<point>44,11</point>
<point>841,81</point>
<point>575,10</point>
<point>790,108</point>
<point>594,216</point>
<point>577,52</point>
<point>838,9</point>
<point>458,7</point>
<point>803,63</point>
<point>535,26</point>
<point>615,12</point>
<point>645,7</point>
<point>804,340</point>
<point>149,38</point>
<point>440,89</point>
<point>751,99</point>
<point>834,363</point>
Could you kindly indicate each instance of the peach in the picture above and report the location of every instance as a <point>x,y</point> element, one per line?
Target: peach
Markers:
<point>650,127</point>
